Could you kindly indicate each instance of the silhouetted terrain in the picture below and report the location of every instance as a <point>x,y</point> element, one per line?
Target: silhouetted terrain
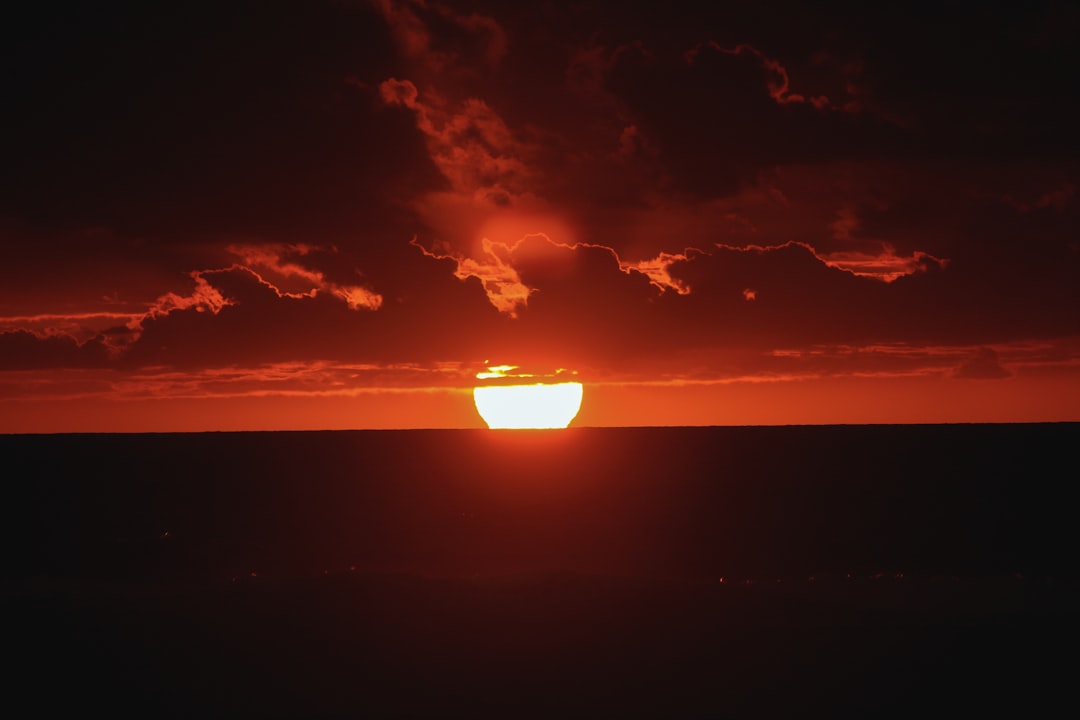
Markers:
<point>863,571</point>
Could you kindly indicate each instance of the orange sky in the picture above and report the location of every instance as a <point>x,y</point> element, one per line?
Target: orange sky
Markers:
<point>327,215</point>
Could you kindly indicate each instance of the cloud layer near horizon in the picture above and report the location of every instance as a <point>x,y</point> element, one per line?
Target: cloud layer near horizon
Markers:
<point>634,193</point>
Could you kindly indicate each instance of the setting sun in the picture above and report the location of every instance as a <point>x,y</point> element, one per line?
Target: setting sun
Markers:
<point>533,407</point>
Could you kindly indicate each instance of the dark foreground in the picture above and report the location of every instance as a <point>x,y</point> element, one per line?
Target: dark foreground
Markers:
<point>655,572</point>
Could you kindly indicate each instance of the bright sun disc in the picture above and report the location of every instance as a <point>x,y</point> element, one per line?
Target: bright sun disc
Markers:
<point>535,407</point>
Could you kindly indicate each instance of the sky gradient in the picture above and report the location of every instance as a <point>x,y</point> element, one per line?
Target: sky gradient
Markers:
<point>308,215</point>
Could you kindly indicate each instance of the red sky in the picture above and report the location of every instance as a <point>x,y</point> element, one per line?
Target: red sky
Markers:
<point>303,215</point>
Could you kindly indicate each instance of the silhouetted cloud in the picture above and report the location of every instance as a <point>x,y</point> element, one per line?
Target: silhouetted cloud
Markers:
<point>982,365</point>
<point>23,350</point>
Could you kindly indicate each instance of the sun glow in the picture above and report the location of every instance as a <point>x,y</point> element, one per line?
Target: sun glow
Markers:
<point>535,406</point>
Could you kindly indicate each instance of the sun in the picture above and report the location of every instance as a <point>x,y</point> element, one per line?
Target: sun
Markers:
<point>534,406</point>
<point>538,406</point>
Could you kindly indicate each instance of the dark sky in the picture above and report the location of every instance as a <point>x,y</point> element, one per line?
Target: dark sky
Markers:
<point>329,199</point>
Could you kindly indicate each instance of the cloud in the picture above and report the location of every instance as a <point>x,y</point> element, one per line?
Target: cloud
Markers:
<point>1057,198</point>
<point>469,143</point>
<point>78,326</point>
<point>283,264</point>
<point>235,315</point>
<point>535,252</point>
<point>538,295</point>
<point>217,119</point>
<point>24,350</point>
<point>778,84</point>
<point>622,196</point>
<point>885,265</point>
<point>204,298</point>
<point>436,40</point>
<point>982,365</point>
<point>500,280</point>
<point>719,115</point>
<point>657,269</point>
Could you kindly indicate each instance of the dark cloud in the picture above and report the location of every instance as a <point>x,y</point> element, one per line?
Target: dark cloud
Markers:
<point>236,317</point>
<point>22,350</point>
<point>229,117</point>
<point>983,365</point>
<point>700,108</point>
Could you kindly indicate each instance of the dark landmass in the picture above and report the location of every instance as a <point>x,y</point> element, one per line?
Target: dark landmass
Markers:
<point>371,645</point>
<point>661,572</point>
